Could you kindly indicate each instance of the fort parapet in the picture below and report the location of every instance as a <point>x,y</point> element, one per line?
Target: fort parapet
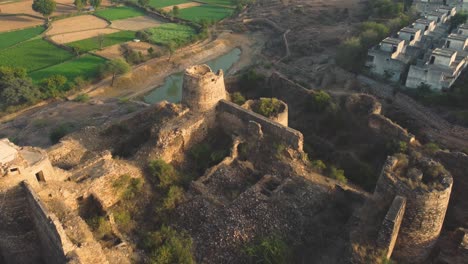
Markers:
<point>426,187</point>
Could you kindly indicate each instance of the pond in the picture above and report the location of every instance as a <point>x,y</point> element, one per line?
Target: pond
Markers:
<point>171,90</point>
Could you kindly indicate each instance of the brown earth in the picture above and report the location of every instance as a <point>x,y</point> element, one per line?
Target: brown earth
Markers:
<point>135,23</point>
<point>25,7</point>
<point>9,23</point>
<point>78,23</point>
<point>75,36</point>
<point>115,51</point>
<point>181,6</point>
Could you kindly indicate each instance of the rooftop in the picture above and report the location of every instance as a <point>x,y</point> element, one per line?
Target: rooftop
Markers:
<point>436,13</point>
<point>424,21</point>
<point>409,30</point>
<point>443,52</point>
<point>392,41</point>
<point>7,151</point>
<point>457,37</point>
<point>463,26</point>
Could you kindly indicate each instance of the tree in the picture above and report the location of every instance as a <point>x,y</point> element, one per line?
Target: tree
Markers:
<point>15,87</point>
<point>53,86</point>
<point>175,11</point>
<point>143,3</point>
<point>79,4</point>
<point>95,3</point>
<point>350,55</point>
<point>45,7</point>
<point>116,67</point>
<point>457,20</point>
<point>100,40</point>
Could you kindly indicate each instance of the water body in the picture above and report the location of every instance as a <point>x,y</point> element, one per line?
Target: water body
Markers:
<point>171,90</point>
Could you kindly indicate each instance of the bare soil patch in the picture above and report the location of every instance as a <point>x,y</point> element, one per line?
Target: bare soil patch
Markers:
<point>115,51</point>
<point>75,36</point>
<point>181,6</point>
<point>135,23</point>
<point>25,7</point>
<point>78,23</point>
<point>9,23</point>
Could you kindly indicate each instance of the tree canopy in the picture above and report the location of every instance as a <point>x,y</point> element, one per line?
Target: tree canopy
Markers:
<point>45,7</point>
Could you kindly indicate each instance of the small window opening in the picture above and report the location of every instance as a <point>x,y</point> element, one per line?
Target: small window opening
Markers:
<point>40,176</point>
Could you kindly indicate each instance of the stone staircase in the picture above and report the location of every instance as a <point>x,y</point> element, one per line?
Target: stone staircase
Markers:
<point>19,243</point>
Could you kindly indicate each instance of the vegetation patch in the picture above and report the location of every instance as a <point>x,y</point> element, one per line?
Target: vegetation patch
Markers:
<point>208,13</point>
<point>164,3</point>
<point>272,250</point>
<point>268,107</point>
<point>9,39</point>
<point>33,55</point>
<point>167,33</point>
<point>86,67</point>
<point>121,12</point>
<point>219,2</point>
<point>100,42</point>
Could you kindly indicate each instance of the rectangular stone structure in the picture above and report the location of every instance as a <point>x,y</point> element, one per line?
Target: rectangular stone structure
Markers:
<point>388,233</point>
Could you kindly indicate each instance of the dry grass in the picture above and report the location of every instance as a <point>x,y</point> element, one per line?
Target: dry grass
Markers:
<point>78,23</point>
<point>135,23</point>
<point>8,23</point>
<point>76,36</point>
<point>25,7</point>
<point>181,6</point>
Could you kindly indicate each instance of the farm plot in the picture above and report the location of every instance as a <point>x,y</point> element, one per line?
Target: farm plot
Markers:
<point>205,12</point>
<point>86,66</point>
<point>116,51</point>
<point>108,40</point>
<point>219,2</point>
<point>135,23</point>
<point>181,6</point>
<point>121,12</point>
<point>33,55</point>
<point>164,3</point>
<point>76,36</point>
<point>179,34</point>
<point>25,7</point>
<point>74,24</point>
<point>9,39</point>
<point>8,23</point>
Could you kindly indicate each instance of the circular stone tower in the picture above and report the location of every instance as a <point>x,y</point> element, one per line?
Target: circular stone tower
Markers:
<point>426,186</point>
<point>202,88</point>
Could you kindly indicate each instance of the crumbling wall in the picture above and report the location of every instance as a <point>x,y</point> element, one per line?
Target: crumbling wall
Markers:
<point>424,214</point>
<point>236,119</point>
<point>202,88</point>
<point>386,126</point>
<point>54,242</point>
<point>391,226</point>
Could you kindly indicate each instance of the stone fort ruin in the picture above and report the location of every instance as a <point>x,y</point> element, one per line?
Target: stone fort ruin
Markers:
<point>263,185</point>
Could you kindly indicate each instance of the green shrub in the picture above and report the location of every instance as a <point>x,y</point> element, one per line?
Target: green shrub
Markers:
<point>124,220</point>
<point>320,101</point>
<point>165,173</point>
<point>82,98</point>
<point>269,250</point>
<point>54,85</point>
<point>268,107</point>
<point>175,195</point>
<point>238,98</point>
<point>100,226</point>
<point>60,131</point>
<point>431,148</point>
<point>167,246</point>
<point>337,174</point>
<point>318,166</point>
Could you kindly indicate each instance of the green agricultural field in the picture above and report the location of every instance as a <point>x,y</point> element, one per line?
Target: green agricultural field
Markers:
<point>164,3</point>
<point>33,55</point>
<point>219,2</point>
<point>9,39</point>
<point>179,34</point>
<point>205,12</point>
<point>86,66</point>
<point>86,45</point>
<point>121,12</point>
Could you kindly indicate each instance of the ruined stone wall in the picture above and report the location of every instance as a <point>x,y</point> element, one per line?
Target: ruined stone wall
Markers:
<point>383,125</point>
<point>202,88</point>
<point>54,242</point>
<point>281,117</point>
<point>236,119</point>
<point>424,215</point>
<point>391,226</point>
